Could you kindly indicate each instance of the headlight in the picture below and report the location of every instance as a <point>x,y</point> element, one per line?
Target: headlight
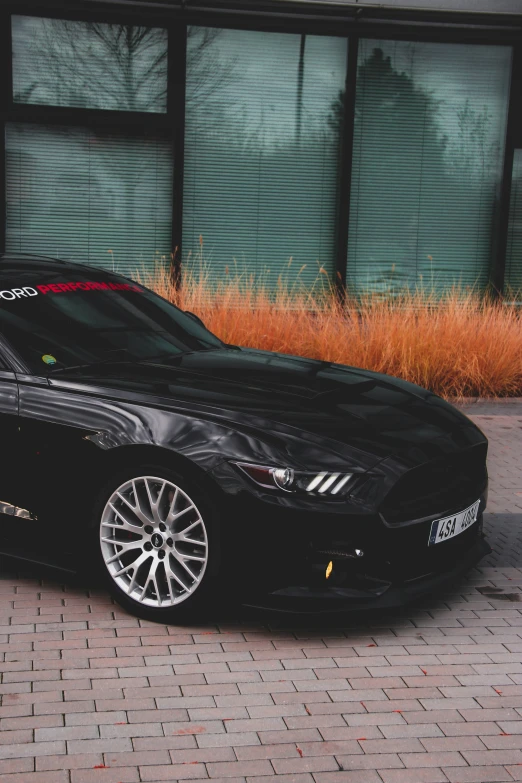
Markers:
<point>310,482</point>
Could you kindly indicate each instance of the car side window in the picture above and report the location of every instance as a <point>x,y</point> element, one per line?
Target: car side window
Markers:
<point>9,361</point>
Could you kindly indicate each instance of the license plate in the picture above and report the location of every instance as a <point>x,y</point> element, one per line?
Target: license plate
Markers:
<point>443,529</point>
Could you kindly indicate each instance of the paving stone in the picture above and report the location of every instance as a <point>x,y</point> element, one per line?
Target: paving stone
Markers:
<point>357,776</point>
<point>419,775</point>
<point>454,743</point>
<point>239,768</point>
<point>58,776</point>
<point>30,749</point>
<point>228,740</point>
<point>494,757</point>
<point>469,729</point>
<point>295,735</point>
<point>329,748</point>
<point>119,775</point>
<point>11,766</point>
<point>305,764</point>
<point>164,743</point>
<point>205,755</point>
<point>477,774</point>
<point>138,758</point>
<point>68,761</point>
<point>173,772</point>
<point>98,745</point>
<point>67,733</point>
<point>418,730</point>
<point>280,751</point>
<point>370,761</point>
<point>300,777</point>
<point>433,759</point>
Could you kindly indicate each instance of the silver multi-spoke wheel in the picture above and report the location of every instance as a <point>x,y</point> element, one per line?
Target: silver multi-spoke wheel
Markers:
<point>153,541</point>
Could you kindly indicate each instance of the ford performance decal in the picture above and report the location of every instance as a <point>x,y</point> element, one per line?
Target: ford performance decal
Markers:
<point>61,288</point>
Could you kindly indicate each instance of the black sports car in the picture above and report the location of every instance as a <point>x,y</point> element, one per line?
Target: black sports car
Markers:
<point>137,444</point>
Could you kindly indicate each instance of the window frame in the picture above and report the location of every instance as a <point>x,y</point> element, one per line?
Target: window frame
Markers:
<point>125,124</point>
<point>353,23</point>
<point>497,262</point>
<point>354,32</point>
<point>517,148</point>
<point>513,142</point>
<point>342,195</point>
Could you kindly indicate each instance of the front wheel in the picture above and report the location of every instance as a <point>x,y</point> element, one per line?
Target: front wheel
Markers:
<point>158,545</point>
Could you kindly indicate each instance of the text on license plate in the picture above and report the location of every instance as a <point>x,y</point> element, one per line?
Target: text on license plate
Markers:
<point>442,529</point>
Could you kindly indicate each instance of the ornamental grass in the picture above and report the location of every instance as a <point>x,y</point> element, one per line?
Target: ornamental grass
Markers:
<point>460,343</point>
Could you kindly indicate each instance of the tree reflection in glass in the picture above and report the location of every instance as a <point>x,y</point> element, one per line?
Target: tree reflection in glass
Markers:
<point>89,65</point>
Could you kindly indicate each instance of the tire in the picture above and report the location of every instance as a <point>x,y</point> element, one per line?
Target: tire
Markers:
<point>156,542</point>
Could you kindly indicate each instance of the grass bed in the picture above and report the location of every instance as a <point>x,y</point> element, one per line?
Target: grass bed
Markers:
<point>458,344</point>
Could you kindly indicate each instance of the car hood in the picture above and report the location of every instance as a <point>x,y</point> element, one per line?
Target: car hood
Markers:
<point>370,412</point>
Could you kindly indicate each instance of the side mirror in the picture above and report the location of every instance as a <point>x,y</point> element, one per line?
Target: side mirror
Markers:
<point>195,318</point>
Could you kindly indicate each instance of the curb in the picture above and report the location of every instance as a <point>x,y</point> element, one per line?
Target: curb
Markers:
<point>488,400</point>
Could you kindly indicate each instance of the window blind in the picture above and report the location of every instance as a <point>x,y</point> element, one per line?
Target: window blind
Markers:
<point>427,162</point>
<point>93,198</point>
<point>513,276</point>
<point>89,65</point>
<point>261,154</point>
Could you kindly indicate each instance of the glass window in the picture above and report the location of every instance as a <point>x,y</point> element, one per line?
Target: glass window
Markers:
<point>262,153</point>
<point>59,322</point>
<point>89,65</point>
<point>513,278</point>
<point>90,197</point>
<point>427,163</point>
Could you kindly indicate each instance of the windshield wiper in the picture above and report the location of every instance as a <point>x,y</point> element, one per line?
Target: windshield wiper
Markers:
<point>91,365</point>
<point>170,356</point>
<point>144,360</point>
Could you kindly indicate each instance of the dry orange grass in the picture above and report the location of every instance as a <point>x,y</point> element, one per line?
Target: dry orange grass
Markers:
<point>459,344</point>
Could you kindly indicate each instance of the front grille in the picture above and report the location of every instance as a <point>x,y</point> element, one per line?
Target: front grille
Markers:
<point>451,482</point>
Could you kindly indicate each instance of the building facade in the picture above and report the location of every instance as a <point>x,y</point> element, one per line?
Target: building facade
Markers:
<point>377,145</point>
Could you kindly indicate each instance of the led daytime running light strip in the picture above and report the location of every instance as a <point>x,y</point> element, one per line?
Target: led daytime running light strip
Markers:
<point>326,482</point>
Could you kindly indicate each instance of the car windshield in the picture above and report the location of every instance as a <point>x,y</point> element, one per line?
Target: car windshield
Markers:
<point>55,321</point>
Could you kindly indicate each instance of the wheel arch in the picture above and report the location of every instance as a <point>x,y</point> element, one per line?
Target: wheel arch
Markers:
<point>139,455</point>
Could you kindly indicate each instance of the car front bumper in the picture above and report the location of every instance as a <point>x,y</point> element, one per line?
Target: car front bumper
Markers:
<point>383,595</point>
<point>282,559</point>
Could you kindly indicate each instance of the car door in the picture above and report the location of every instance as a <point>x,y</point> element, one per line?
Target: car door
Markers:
<point>50,447</point>
<point>9,442</point>
<point>21,530</point>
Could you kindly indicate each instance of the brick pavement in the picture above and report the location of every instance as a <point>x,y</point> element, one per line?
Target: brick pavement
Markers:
<point>431,693</point>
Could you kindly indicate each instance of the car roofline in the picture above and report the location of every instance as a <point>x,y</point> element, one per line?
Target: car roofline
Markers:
<point>16,255</point>
<point>20,256</point>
